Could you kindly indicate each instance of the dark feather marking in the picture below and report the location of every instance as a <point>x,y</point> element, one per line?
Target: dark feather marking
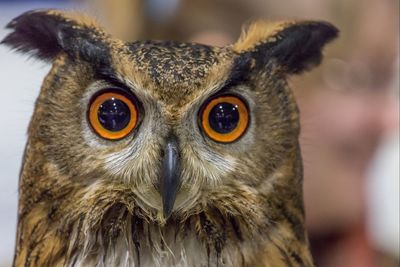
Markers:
<point>53,210</point>
<point>241,71</point>
<point>284,255</point>
<point>176,233</point>
<point>45,194</point>
<point>220,234</point>
<point>295,223</point>
<point>162,243</point>
<point>38,250</point>
<point>236,228</point>
<point>52,256</point>
<point>110,223</point>
<point>297,258</point>
<point>32,245</point>
<point>214,236</point>
<point>149,236</point>
<point>187,227</point>
<point>137,230</point>
<point>204,227</point>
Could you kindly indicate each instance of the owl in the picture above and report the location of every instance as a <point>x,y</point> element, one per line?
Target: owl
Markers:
<point>162,153</point>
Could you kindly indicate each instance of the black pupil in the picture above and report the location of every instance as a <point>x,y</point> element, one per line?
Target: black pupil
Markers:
<point>224,117</point>
<point>114,115</point>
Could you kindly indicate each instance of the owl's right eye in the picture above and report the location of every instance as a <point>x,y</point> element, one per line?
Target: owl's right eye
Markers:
<point>113,114</point>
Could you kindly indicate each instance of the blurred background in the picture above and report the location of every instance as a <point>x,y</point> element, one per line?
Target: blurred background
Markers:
<point>349,110</point>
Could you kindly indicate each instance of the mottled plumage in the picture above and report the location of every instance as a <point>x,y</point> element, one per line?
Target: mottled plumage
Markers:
<point>87,201</point>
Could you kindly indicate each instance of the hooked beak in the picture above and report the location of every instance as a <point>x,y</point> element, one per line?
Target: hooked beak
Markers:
<point>170,175</point>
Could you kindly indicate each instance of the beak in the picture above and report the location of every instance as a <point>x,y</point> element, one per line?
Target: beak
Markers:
<point>170,175</point>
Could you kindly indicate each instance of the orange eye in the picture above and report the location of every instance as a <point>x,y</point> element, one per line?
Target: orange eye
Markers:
<point>113,114</point>
<point>225,118</point>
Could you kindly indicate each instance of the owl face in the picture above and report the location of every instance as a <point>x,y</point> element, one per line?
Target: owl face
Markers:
<point>170,143</point>
<point>173,124</point>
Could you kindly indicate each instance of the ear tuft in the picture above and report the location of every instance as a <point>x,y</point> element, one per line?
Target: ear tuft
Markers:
<point>295,46</point>
<point>34,32</point>
<point>257,33</point>
<point>45,33</point>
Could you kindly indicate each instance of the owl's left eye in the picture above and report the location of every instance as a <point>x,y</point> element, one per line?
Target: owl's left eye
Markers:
<point>225,118</point>
<point>113,114</point>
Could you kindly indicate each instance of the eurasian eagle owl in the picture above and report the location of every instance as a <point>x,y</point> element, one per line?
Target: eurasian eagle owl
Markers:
<point>161,153</point>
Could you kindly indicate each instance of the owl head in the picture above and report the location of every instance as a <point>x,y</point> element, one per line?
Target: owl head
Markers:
<point>164,129</point>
